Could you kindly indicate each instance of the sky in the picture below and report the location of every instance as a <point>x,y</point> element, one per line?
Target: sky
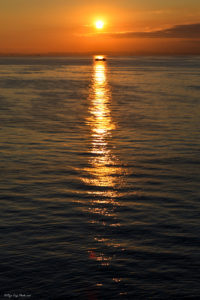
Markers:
<point>130,26</point>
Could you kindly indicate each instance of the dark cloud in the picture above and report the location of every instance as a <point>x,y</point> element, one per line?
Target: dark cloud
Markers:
<point>178,31</point>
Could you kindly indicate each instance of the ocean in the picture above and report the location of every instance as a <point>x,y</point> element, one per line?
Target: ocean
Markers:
<point>100,178</point>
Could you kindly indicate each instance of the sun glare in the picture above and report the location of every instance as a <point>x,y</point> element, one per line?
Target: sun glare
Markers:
<point>99,24</point>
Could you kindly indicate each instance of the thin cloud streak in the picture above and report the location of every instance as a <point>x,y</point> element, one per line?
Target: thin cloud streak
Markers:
<point>189,31</point>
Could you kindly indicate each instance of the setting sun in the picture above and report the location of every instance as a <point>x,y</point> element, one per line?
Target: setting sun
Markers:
<point>99,24</point>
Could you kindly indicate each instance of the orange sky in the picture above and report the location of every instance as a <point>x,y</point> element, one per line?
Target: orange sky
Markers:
<point>63,26</point>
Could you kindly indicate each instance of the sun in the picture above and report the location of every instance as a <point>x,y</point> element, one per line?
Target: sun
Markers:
<point>99,24</point>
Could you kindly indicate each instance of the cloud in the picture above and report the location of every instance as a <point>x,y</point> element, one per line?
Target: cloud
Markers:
<point>190,31</point>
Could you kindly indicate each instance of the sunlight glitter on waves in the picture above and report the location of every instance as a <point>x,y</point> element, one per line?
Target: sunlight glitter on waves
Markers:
<point>98,169</point>
<point>100,211</point>
<point>99,112</point>
<point>100,257</point>
<point>103,176</point>
<point>99,74</point>
<point>102,171</point>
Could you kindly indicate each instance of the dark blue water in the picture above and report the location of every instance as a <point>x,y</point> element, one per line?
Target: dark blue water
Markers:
<point>100,178</point>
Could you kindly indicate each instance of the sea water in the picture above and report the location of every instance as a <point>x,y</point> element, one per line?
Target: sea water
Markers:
<point>100,177</point>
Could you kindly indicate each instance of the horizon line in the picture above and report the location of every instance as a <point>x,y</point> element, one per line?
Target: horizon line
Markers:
<point>92,53</point>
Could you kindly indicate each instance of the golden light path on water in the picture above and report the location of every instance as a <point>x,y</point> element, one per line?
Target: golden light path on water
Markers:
<point>105,173</point>
<point>104,166</point>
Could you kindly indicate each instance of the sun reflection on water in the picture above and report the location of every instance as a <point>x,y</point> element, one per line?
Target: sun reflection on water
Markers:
<point>104,174</point>
<point>103,164</point>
